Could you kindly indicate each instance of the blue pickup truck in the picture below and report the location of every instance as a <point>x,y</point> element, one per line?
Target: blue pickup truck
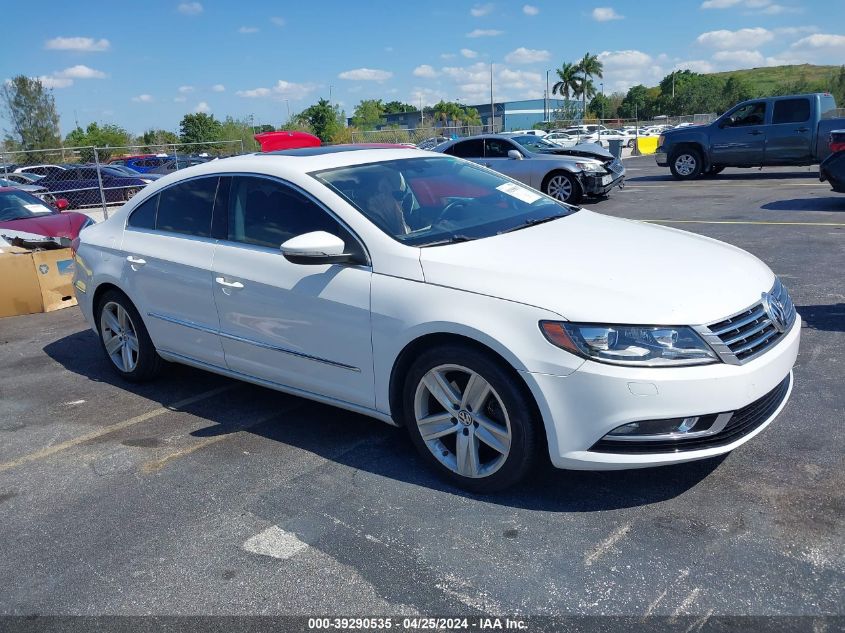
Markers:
<point>789,130</point>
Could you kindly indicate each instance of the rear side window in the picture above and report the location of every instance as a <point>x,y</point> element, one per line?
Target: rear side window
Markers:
<point>467,149</point>
<point>791,111</point>
<point>187,207</point>
<point>144,217</point>
<point>497,148</point>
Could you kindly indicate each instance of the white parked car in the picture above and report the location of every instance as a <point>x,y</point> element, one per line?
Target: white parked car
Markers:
<point>561,138</point>
<point>492,321</point>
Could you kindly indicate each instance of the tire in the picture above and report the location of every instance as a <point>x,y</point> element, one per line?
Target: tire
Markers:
<point>685,164</point>
<point>563,186</point>
<point>119,325</point>
<point>631,144</point>
<point>129,193</point>
<point>501,442</point>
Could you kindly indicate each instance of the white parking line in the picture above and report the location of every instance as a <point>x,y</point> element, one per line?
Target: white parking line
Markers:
<point>274,542</point>
<point>744,222</point>
<point>605,546</point>
<point>52,450</point>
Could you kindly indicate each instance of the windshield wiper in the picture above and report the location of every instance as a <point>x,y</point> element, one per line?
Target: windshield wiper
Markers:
<point>454,239</point>
<point>531,222</point>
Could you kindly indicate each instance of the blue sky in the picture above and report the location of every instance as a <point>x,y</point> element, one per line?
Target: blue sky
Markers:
<point>145,64</point>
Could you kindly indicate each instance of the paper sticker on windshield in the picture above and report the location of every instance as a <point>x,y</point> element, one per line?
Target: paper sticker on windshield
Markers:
<point>37,208</point>
<point>520,193</point>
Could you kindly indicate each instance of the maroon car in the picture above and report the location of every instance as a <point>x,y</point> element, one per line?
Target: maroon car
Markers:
<point>20,211</point>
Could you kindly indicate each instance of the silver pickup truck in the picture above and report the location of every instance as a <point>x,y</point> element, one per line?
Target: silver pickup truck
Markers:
<point>789,130</point>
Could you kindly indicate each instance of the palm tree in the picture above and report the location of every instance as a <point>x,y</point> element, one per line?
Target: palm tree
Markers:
<point>568,75</point>
<point>589,67</point>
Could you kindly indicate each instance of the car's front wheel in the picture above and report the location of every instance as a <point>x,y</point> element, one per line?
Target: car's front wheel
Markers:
<point>686,164</point>
<point>469,419</point>
<point>129,193</point>
<point>563,186</point>
<point>124,338</point>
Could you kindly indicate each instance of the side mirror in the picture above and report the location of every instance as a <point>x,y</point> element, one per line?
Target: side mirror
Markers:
<point>317,247</point>
<point>62,204</point>
<point>514,154</point>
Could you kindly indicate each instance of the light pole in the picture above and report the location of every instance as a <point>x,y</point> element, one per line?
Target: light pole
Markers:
<point>330,94</point>
<point>287,103</point>
<point>548,98</point>
<point>601,85</point>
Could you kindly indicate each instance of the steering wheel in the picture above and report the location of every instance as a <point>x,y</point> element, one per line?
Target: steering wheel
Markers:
<point>450,208</point>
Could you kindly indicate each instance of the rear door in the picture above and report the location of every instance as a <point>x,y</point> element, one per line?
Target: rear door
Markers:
<point>301,326</point>
<point>741,137</point>
<point>168,269</point>
<point>789,138</point>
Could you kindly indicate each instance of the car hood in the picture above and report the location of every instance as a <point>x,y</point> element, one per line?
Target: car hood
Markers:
<point>584,150</point>
<point>593,268</point>
<point>50,225</point>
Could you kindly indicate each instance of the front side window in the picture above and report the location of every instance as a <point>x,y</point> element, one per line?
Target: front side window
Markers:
<point>187,207</point>
<point>750,114</point>
<point>428,201</point>
<point>497,148</point>
<point>467,149</point>
<point>268,213</point>
<point>791,111</point>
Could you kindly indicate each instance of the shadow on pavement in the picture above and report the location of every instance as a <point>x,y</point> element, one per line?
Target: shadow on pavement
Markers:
<point>352,442</point>
<point>832,203</point>
<point>745,174</point>
<point>829,318</point>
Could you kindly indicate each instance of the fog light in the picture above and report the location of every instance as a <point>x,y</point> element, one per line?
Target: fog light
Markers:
<point>669,426</point>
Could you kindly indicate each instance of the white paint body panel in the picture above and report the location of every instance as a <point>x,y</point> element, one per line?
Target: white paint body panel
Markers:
<point>585,267</point>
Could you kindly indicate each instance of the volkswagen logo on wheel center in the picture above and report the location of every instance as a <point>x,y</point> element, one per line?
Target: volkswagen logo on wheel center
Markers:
<point>774,310</point>
<point>465,417</point>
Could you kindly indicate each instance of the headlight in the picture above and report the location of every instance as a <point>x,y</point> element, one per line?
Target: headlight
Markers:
<point>592,167</point>
<point>660,140</point>
<point>637,345</point>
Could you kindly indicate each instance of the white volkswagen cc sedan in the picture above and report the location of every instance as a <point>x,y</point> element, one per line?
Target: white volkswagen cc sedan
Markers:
<point>493,322</point>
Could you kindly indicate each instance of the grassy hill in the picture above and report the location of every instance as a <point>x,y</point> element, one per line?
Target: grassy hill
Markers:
<point>778,79</point>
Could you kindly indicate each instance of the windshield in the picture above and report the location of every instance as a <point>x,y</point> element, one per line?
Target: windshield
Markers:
<point>534,143</point>
<point>430,201</point>
<point>16,205</point>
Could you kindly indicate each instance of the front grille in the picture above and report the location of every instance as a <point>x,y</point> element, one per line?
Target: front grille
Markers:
<point>742,422</point>
<point>750,333</point>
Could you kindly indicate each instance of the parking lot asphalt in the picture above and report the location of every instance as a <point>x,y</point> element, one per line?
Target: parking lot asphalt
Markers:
<point>197,494</point>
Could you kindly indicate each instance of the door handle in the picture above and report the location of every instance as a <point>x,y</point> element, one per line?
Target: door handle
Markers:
<point>135,261</point>
<point>229,284</point>
<point>756,133</point>
<point>802,129</point>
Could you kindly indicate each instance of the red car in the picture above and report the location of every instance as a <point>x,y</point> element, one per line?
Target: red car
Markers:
<point>20,211</point>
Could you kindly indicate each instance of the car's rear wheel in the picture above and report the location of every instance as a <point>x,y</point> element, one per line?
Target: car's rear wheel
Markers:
<point>631,144</point>
<point>129,193</point>
<point>686,164</point>
<point>562,186</point>
<point>124,338</point>
<point>469,419</point>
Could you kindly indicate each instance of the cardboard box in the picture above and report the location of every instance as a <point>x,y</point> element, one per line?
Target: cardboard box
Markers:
<point>35,281</point>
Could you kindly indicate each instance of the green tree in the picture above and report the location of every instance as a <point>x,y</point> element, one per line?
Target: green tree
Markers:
<point>637,104</point>
<point>199,127</point>
<point>837,86</point>
<point>322,118</point>
<point>103,138</point>
<point>600,106</point>
<point>567,83</point>
<point>31,110</point>
<point>734,91</point>
<point>449,113</point>
<point>589,66</point>
<point>396,107</point>
<point>157,137</point>
<point>368,114</point>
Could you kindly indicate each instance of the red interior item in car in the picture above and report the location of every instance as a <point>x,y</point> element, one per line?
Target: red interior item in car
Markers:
<point>286,139</point>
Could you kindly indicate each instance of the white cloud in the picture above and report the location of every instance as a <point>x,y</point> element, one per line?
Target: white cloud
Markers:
<point>605,14</point>
<point>626,68</point>
<point>218,88</point>
<point>55,82</point>
<point>425,71</point>
<point>282,90</point>
<point>529,9</point>
<point>484,33</point>
<point>765,7</point>
<point>777,9</point>
<point>482,9</point>
<point>366,74</point>
<point>735,40</point>
<point>82,44</point>
<point>248,30</point>
<point>180,99</point>
<point>202,106</point>
<point>696,66</point>
<point>427,95</point>
<point>469,53</point>
<point>821,41</point>
<point>190,8</point>
<point>145,98</point>
<point>719,4</point>
<point>186,89</point>
<point>524,55</point>
<point>80,72</point>
<point>473,82</point>
<point>447,56</point>
<point>731,60</point>
<point>278,21</point>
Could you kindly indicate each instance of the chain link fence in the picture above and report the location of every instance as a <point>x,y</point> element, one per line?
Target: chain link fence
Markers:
<point>90,177</point>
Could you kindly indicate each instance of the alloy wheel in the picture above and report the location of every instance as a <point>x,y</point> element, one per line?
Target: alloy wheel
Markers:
<point>685,164</point>
<point>559,188</point>
<point>119,336</point>
<point>462,420</point>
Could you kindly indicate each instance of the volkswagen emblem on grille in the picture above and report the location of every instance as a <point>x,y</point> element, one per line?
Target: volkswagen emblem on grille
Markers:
<point>775,311</point>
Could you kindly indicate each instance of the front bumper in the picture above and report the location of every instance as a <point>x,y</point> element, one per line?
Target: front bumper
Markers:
<point>599,185</point>
<point>580,409</point>
<point>661,157</point>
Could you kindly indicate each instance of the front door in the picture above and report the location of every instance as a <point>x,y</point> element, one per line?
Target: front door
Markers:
<point>496,157</point>
<point>301,326</point>
<point>741,138</point>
